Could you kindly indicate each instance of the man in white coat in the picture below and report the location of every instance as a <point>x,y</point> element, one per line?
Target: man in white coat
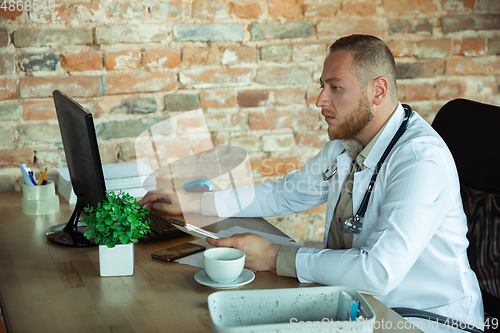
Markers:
<point>409,247</point>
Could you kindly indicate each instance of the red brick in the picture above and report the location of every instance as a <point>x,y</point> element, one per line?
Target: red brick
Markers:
<point>450,89</point>
<point>433,49</point>
<point>162,58</point>
<point>328,9</point>
<point>469,47</point>
<point>186,124</point>
<point>312,138</point>
<point>11,159</point>
<point>7,64</point>
<point>246,8</point>
<point>457,5</point>
<point>473,66</point>
<point>11,15</point>
<point>312,94</point>
<point>261,120</point>
<point>226,121</point>
<point>401,92</point>
<point>342,27</point>
<point>290,96</point>
<point>7,89</point>
<point>60,14</point>
<point>39,110</point>
<point>400,49</point>
<point>238,54</point>
<point>85,12</point>
<point>203,56</point>
<point>276,166</point>
<point>285,8</point>
<point>122,60</point>
<point>174,148</point>
<point>296,119</point>
<point>203,9</point>
<point>86,61</point>
<point>217,99</point>
<point>221,77</point>
<point>398,7</point>
<point>74,86</point>
<point>419,92</point>
<point>481,88</point>
<point>253,98</point>
<point>358,7</point>
<point>139,82</point>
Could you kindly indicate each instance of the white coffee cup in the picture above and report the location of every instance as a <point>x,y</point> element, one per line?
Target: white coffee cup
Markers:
<point>223,264</point>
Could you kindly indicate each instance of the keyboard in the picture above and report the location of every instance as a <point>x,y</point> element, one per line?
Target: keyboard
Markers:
<point>160,229</point>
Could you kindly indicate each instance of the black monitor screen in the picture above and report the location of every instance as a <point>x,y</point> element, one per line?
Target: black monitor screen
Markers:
<point>84,163</point>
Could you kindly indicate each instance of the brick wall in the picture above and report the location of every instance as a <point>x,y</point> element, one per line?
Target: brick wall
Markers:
<point>252,65</point>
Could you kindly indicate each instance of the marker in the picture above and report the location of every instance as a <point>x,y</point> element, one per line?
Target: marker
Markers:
<point>165,201</point>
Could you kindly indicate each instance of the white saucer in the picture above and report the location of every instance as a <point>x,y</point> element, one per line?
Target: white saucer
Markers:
<point>245,277</point>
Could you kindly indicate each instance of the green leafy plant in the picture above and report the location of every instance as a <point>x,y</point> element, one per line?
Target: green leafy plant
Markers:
<point>120,219</point>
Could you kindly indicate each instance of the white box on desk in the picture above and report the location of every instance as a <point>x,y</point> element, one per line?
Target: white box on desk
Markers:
<point>285,310</point>
<point>127,177</point>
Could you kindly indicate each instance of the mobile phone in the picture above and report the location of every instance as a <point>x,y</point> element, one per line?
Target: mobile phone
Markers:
<point>177,252</point>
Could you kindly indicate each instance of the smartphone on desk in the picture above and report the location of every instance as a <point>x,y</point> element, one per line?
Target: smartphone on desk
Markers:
<point>177,252</point>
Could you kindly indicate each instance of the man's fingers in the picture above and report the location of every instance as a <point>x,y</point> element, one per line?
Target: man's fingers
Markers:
<point>152,196</point>
<point>221,242</point>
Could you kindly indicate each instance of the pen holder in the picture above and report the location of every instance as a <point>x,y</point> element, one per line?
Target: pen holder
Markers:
<point>40,200</point>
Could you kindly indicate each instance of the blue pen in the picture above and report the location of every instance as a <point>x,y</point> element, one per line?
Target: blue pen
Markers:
<point>32,177</point>
<point>26,176</point>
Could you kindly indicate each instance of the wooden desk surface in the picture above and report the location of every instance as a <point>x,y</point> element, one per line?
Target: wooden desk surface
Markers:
<point>46,287</point>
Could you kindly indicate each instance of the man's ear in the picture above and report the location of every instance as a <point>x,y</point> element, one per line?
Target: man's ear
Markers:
<point>380,90</point>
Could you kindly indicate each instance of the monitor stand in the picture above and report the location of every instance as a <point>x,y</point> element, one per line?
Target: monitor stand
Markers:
<point>71,233</point>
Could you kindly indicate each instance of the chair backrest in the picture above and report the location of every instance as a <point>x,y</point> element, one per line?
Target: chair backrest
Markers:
<point>472,132</point>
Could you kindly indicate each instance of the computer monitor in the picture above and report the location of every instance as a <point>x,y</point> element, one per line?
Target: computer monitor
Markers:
<point>84,165</point>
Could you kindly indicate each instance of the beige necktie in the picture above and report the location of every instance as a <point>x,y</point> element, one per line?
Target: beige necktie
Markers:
<point>337,237</point>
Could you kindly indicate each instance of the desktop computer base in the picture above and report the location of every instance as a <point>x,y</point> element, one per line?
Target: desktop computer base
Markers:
<point>73,238</point>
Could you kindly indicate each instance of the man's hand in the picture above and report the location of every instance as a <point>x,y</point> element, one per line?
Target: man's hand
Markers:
<point>191,205</point>
<point>260,253</point>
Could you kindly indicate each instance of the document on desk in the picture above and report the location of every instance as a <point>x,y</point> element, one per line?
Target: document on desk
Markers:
<point>197,258</point>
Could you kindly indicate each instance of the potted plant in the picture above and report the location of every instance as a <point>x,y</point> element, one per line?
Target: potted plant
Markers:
<point>116,224</point>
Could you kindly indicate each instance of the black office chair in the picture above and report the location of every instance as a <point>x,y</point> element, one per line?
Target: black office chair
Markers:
<point>472,132</point>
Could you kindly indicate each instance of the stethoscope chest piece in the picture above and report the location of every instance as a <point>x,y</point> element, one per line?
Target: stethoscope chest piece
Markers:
<point>353,224</point>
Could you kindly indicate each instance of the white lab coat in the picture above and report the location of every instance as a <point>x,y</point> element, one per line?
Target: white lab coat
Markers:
<point>411,251</point>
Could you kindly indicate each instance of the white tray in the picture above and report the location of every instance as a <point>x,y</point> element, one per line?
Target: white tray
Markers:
<point>310,309</point>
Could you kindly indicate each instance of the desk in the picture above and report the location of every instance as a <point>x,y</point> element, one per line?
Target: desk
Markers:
<point>46,287</point>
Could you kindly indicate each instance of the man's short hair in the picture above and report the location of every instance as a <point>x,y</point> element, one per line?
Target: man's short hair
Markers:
<point>371,59</point>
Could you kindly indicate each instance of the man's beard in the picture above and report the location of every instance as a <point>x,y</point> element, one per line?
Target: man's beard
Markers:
<point>354,122</point>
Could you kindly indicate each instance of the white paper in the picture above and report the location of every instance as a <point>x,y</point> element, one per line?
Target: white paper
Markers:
<point>197,258</point>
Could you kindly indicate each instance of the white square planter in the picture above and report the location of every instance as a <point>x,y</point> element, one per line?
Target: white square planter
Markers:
<point>116,261</point>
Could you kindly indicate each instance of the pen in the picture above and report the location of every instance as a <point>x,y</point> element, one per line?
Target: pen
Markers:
<point>40,179</point>
<point>165,201</point>
<point>32,177</point>
<point>44,182</point>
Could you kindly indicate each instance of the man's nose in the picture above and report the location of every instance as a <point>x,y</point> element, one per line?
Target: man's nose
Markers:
<point>322,101</point>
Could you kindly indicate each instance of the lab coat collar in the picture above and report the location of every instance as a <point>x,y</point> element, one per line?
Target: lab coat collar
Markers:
<point>385,137</point>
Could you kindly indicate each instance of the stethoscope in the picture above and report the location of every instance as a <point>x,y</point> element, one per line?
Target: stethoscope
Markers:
<point>354,224</point>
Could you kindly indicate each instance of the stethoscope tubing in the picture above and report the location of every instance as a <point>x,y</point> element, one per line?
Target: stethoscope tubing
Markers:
<point>364,204</point>
<point>366,198</point>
